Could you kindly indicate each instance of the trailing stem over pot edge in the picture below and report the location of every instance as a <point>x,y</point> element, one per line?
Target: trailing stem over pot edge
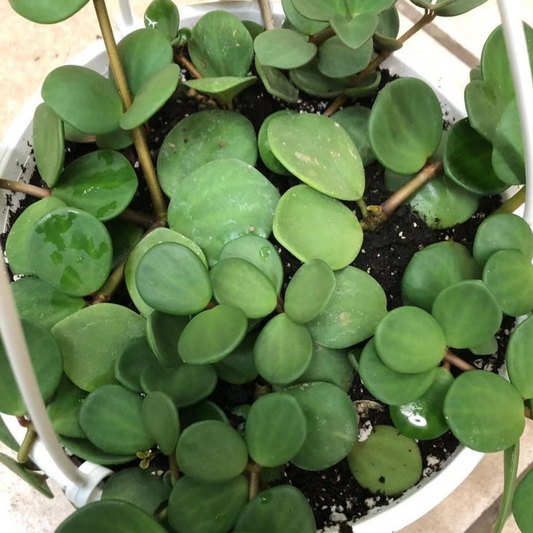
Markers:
<point>210,290</point>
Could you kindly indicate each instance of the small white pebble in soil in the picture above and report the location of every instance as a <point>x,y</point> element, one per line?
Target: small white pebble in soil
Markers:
<point>370,503</point>
<point>338,517</point>
<point>427,472</point>
<point>489,367</point>
<point>365,431</point>
<point>137,164</point>
<point>432,460</point>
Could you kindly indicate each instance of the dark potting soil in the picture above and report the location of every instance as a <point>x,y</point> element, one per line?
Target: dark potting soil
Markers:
<point>334,495</point>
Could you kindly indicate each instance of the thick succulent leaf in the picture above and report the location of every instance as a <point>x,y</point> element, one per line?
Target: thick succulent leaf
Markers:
<point>83,98</point>
<point>357,31</point>
<point>353,312</point>
<point>48,143</point>
<point>321,10</point>
<point>161,418</point>
<point>221,46</point>
<point>254,29</point>
<point>357,7</point>
<point>85,449</point>
<point>211,451</point>
<point>71,250</point>
<point>205,208</point>
<point>337,60</point>
<point>387,462</point>
<point>284,49</point>
<point>35,480</point>
<point>268,158</point>
<point>301,23</point>
<point>310,80</point>
<point>405,125</point>
<point>522,510</point>
<point>7,438</point>
<point>130,366</point>
<point>223,89</point>
<point>458,7</point>
<point>163,332</point>
<point>46,360</point>
<point>64,409</point>
<point>163,15</point>
<point>387,30</point>
<point>205,410</point>
<point>116,140</point>
<point>488,347</point>
<point>201,138</point>
<point>320,153</point>
<point>484,411</point>
<point>47,11</point>
<point>125,236</point>
<point>277,84</point>
<point>518,358</point>
<point>336,239</point>
<point>367,87</point>
<point>102,183</point>
<point>92,339</point>
<point>238,367</point>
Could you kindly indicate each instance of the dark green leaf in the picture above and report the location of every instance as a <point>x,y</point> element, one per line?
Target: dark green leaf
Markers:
<point>310,80</point>
<point>337,60</point>
<point>510,465</point>
<point>205,410</point>
<point>357,31</point>
<point>131,364</point>
<point>284,49</point>
<point>87,450</point>
<point>269,159</point>
<point>47,11</point>
<point>522,509</point>
<point>124,236</point>
<point>301,23</point>
<point>64,409</point>
<point>321,10</point>
<point>163,15</point>
<point>223,89</point>
<point>277,84</point>
<point>37,481</point>
<point>518,358</point>
<point>7,438</point>
<point>161,418</point>
<point>163,332</point>
<point>48,143</point>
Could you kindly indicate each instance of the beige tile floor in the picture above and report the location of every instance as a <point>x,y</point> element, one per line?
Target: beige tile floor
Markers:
<point>28,52</point>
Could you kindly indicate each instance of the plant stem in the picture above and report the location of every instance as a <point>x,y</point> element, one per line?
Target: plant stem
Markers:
<point>512,204</point>
<point>457,362</point>
<point>253,483</point>
<point>323,36</point>
<point>527,412</point>
<point>380,58</point>
<point>27,444</point>
<point>137,218</point>
<point>268,17</point>
<point>139,138</point>
<point>25,188</point>
<point>280,306</point>
<point>174,468</point>
<point>185,63</point>
<point>363,207</point>
<point>381,213</point>
<point>510,465</point>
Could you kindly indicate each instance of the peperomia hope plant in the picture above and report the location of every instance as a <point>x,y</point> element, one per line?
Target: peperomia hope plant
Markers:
<point>247,341</point>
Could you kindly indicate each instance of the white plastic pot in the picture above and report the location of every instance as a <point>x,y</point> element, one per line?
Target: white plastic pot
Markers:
<point>16,152</point>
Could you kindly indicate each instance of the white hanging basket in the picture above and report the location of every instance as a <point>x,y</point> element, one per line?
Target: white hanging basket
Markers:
<point>17,152</point>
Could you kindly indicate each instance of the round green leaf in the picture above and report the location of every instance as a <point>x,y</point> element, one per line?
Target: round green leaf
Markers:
<point>143,53</point>
<point>283,350</point>
<point>238,367</point>
<point>43,304</point>
<point>387,30</point>
<point>254,29</point>
<point>110,516</point>
<point>116,140</point>
<point>409,340</point>
<point>211,451</point>
<point>459,7</point>
<point>518,358</point>
<point>83,98</point>
<point>205,208</point>
<point>312,225</point>
<point>139,487</point>
<point>423,419</point>
<point>484,411</point>
<point>201,138</point>
<point>488,347</point>
<point>367,87</point>
<point>355,121</point>
<point>332,425</point>
<point>522,510</point>
<point>260,253</point>
<point>357,7</point>
<point>337,60</point>
<point>212,335</point>
<point>71,250</point>
<point>435,268</point>
<point>320,153</point>
<point>163,15</point>
<point>160,416</point>
<point>405,125</point>
<point>185,384</point>
<point>7,438</point>
<point>124,235</point>
<point>310,80</point>
<point>357,31</point>
<point>35,480</point>
<point>309,291</point>
<point>172,279</point>
<point>48,143</point>
<point>282,509</point>
<point>223,89</point>
<point>268,158</point>
<point>284,49</point>
<point>205,410</point>
<point>102,183</point>
<point>502,232</point>
<point>92,339</point>
<point>468,313</point>
<point>276,429</point>
<point>277,84</point>
<point>163,332</point>
<point>47,363</point>
<point>198,507</point>
<point>152,96</point>
<point>330,366</point>
<point>89,452</point>
<point>301,23</point>
<point>111,418</point>
<point>472,172</point>
<point>239,283</point>
<point>131,364</point>
<point>64,409</point>
<point>19,235</point>
<point>509,275</point>
<point>47,11</point>
<point>221,46</point>
<point>353,312</point>
<point>389,386</point>
<point>321,10</point>
<point>387,462</point>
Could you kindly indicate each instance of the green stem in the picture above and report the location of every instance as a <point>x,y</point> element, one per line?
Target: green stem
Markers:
<point>27,444</point>
<point>510,465</point>
<point>174,468</point>
<point>512,204</point>
<point>363,207</point>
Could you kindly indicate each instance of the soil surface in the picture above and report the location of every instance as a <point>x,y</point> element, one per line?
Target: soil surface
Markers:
<point>334,495</point>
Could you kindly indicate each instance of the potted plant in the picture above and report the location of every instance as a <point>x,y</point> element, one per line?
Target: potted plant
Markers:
<point>322,321</point>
